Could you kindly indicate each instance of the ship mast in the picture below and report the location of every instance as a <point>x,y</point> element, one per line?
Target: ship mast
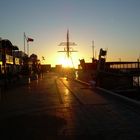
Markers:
<point>67,49</point>
<point>93,48</point>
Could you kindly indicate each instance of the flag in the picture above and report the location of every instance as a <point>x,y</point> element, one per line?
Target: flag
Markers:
<point>30,39</point>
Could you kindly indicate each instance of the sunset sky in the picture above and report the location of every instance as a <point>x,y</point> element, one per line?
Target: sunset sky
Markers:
<point>112,24</point>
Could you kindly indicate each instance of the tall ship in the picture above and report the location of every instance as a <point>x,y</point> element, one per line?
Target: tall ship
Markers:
<point>116,76</point>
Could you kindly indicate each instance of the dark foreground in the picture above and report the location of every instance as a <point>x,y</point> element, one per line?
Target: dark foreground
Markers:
<point>54,107</point>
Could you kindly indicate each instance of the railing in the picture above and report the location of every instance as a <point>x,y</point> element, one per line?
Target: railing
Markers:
<point>123,65</point>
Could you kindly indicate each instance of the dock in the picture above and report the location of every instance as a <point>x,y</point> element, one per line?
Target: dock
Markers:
<point>54,107</point>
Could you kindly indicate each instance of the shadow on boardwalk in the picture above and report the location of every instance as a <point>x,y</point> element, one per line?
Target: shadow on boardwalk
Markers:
<point>32,126</point>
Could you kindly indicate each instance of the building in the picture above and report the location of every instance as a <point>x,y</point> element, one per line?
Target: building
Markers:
<point>7,59</point>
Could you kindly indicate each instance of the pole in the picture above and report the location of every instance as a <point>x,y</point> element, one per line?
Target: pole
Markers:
<point>24,42</point>
<point>138,75</point>
<point>93,48</point>
<point>28,48</point>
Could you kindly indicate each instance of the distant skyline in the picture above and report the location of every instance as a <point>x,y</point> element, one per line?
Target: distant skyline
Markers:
<point>112,24</point>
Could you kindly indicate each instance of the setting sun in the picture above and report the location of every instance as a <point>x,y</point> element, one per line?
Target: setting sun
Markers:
<point>66,62</point>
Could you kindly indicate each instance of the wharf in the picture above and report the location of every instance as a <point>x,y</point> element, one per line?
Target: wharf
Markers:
<point>53,107</point>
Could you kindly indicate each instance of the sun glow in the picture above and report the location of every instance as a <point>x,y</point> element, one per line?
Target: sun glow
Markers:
<point>61,59</point>
<point>66,62</point>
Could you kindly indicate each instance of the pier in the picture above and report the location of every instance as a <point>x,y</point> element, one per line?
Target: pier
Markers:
<point>53,107</point>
